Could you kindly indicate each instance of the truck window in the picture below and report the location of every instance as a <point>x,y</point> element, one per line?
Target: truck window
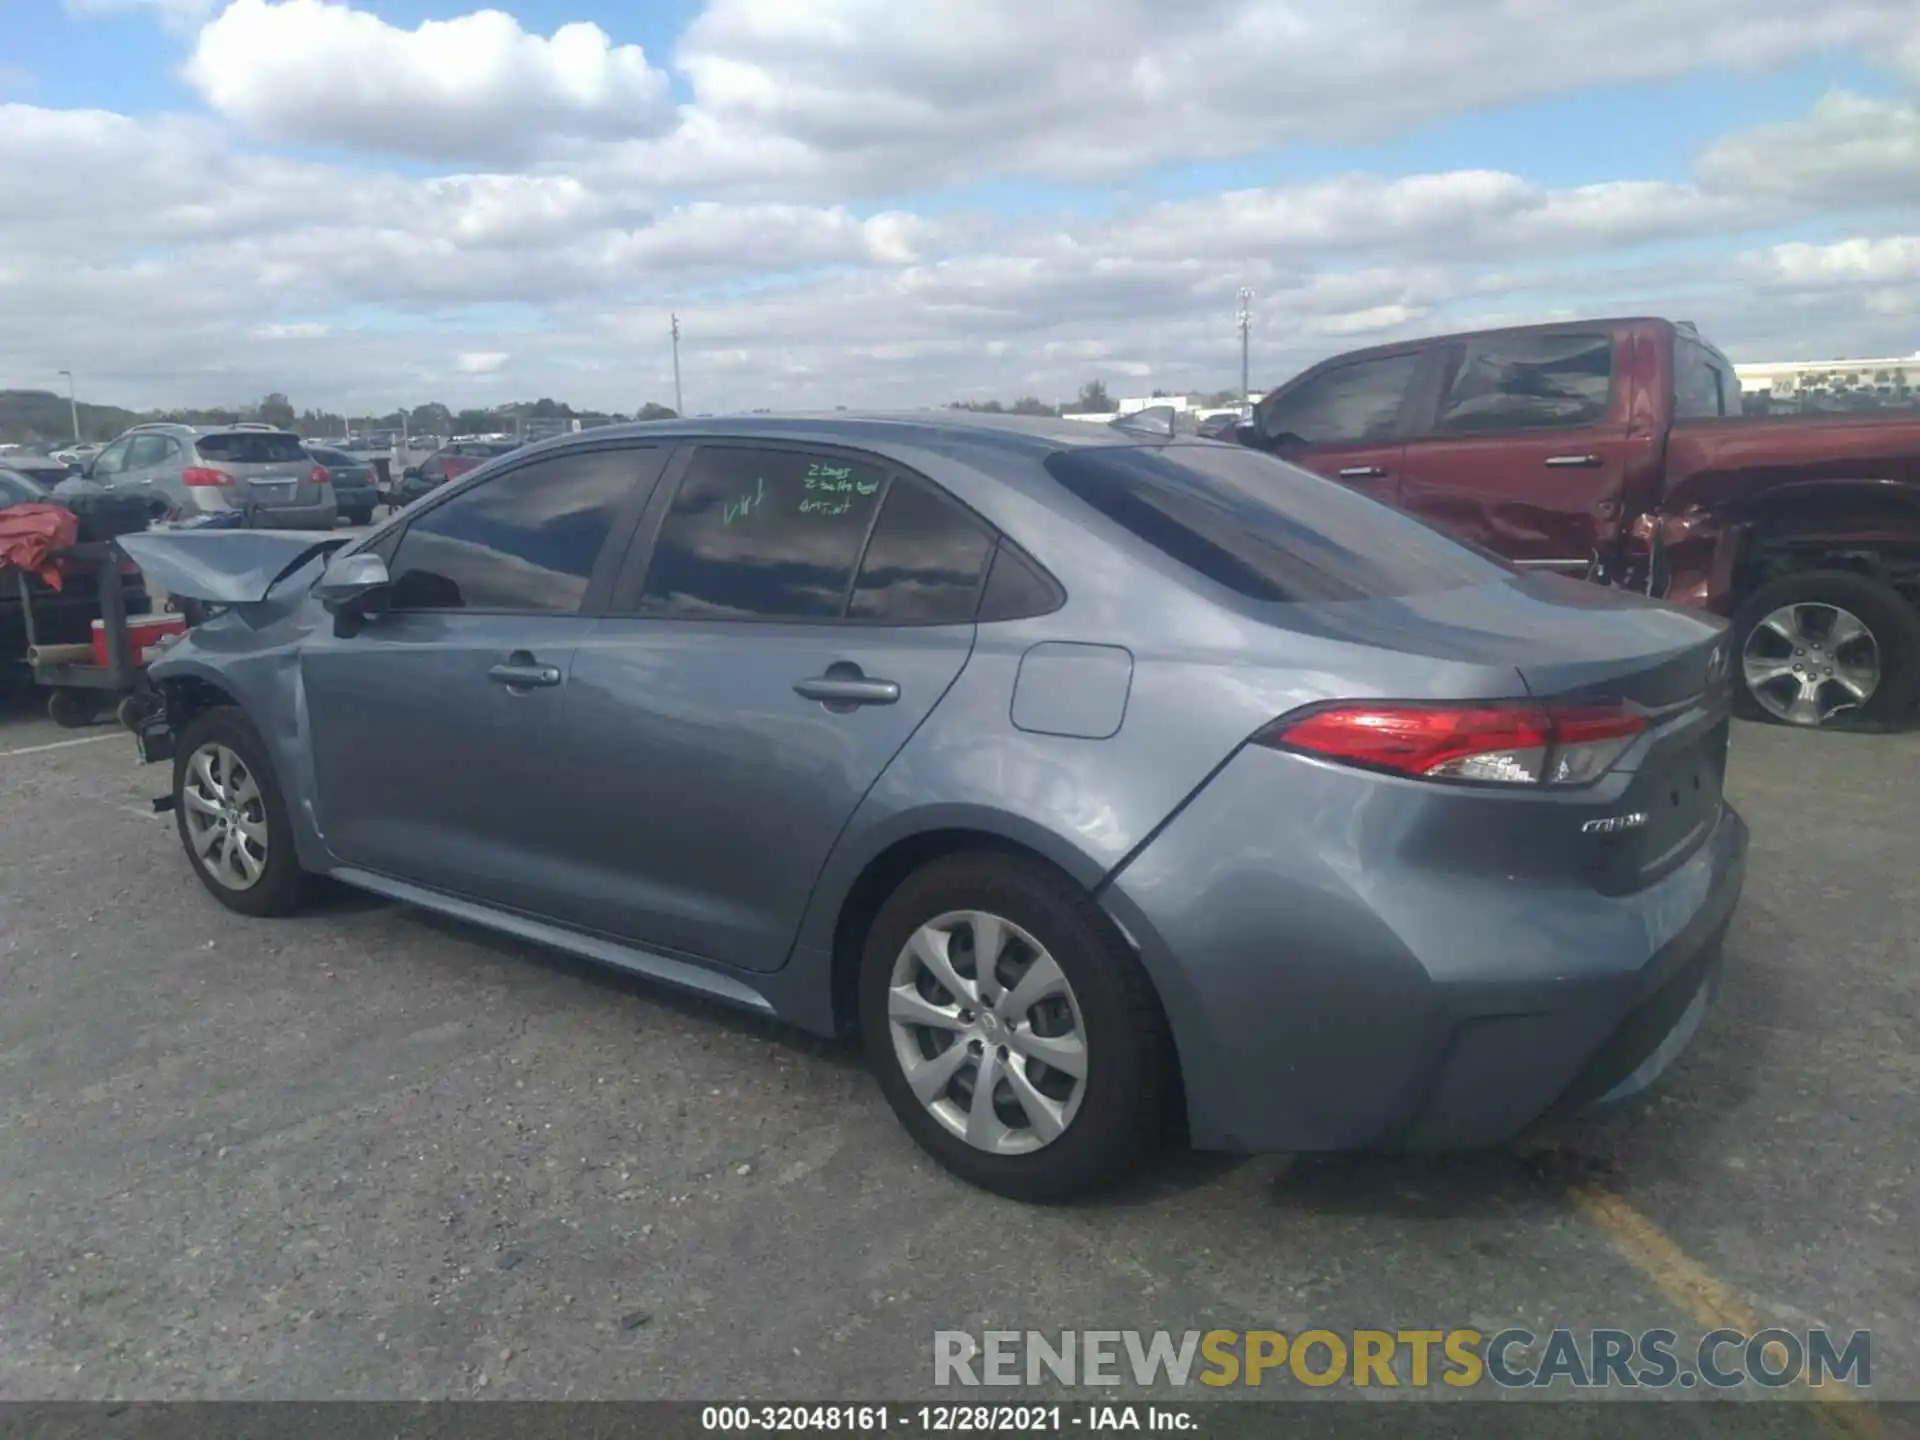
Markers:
<point>1347,406</point>
<point>1699,387</point>
<point>1527,382</point>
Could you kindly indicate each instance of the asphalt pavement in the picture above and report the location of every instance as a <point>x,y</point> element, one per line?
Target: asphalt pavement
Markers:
<point>369,1153</point>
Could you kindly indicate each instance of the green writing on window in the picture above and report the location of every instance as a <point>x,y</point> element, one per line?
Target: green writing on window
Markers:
<point>833,480</point>
<point>744,505</point>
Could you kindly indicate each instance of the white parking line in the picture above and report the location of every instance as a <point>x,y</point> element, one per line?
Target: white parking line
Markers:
<point>62,744</point>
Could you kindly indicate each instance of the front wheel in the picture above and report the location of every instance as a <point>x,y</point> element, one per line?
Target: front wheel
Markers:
<point>232,816</point>
<point>1827,649</point>
<point>1014,1033</point>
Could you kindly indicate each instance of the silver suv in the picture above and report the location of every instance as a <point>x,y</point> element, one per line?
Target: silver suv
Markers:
<point>259,470</point>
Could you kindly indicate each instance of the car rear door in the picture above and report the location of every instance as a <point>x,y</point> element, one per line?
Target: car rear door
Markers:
<point>1524,447</point>
<point>436,726</point>
<point>790,617</point>
<point>1344,421</point>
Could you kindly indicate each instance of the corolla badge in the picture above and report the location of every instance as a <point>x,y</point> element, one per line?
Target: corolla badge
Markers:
<point>1614,824</point>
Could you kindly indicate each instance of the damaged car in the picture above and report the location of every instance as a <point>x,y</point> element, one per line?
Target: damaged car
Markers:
<point>1109,785</point>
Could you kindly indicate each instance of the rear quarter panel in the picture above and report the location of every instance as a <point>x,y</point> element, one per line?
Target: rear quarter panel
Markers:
<point>1838,479</point>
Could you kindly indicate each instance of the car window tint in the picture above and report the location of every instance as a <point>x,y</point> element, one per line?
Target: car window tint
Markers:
<point>762,533</point>
<point>17,489</point>
<point>1017,588</point>
<point>1263,528</point>
<point>523,541</point>
<point>1354,403</point>
<point>332,459</point>
<point>147,450</point>
<point>252,447</point>
<point>1528,382</point>
<point>112,460</point>
<point>1699,389</point>
<point>925,561</point>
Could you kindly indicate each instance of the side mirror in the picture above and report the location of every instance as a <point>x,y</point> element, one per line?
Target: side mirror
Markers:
<point>1246,433</point>
<point>351,582</point>
<point>412,472</point>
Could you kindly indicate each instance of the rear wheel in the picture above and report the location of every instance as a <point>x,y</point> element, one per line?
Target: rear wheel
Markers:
<point>1827,649</point>
<point>232,816</point>
<point>1014,1033</point>
<point>71,709</point>
<point>360,517</point>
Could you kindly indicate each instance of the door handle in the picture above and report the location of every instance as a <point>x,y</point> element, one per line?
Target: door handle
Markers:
<point>1363,472</point>
<point>1570,461</point>
<point>838,691</point>
<point>522,672</point>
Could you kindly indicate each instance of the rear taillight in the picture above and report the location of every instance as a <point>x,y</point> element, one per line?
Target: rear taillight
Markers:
<point>319,475</point>
<point>1492,743</point>
<point>199,476</point>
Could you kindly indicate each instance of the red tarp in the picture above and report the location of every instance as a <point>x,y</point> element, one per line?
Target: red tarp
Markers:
<point>30,533</point>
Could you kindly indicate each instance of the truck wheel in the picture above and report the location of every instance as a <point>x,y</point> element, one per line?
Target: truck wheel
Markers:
<point>1827,648</point>
<point>72,709</point>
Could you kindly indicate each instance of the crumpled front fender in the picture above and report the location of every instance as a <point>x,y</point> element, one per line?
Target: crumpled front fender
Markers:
<point>225,567</point>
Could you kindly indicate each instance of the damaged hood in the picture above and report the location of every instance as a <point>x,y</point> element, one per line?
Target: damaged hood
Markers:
<point>225,567</point>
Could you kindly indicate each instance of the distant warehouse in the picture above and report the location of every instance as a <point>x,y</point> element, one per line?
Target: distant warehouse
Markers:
<point>1814,386</point>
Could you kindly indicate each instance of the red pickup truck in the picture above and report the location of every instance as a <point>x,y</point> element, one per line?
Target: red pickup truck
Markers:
<point>1616,450</point>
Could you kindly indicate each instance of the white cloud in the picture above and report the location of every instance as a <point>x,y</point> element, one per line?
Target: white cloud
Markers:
<point>474,88</point>
<point>177,263</point>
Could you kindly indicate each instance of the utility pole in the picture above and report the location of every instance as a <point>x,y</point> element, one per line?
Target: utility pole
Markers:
<point>73,406</point>
<point>1246,332</point>
<point>679,408</point>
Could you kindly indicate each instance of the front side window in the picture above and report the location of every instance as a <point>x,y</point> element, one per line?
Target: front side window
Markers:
<point>1351,405</point>
<point>525,541</point>
<point>113,459</point>
<point>1263,528</point>
<point>759,533</point>
<point>1528,382</point>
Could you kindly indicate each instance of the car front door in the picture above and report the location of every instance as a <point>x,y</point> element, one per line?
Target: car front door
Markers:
<point>1525,450</point>
<point>788,619</point>
<point>435,724</point>
<point>154,464</point>
<point>1344,421</point>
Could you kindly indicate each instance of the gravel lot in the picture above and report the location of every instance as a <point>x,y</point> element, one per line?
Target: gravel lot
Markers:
<point>367,1153</point>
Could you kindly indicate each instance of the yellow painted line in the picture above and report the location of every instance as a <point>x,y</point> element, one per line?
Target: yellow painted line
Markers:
<point>1713,1305</point>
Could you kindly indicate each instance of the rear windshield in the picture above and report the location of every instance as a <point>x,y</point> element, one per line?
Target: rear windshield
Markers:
<point>252,447</point>
<point>332,457</point>
<point>1263,528</point>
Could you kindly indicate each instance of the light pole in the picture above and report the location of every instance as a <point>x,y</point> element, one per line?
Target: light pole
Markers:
<point>73,406</point>
<point>679,408</point>
<point>1246,332</point>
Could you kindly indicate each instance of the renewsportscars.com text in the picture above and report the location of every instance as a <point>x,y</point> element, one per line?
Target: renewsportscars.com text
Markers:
<point>1510,1359</point>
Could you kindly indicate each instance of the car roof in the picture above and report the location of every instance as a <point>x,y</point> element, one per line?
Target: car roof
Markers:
<point>1036,436</point>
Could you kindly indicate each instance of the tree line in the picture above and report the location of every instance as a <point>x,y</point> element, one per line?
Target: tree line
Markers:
<point>44,417</point>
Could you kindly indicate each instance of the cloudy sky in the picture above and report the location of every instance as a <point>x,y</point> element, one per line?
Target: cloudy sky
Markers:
<point>890,202</point>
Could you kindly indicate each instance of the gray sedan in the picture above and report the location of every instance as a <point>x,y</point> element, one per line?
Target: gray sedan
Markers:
<point>1098,781</point>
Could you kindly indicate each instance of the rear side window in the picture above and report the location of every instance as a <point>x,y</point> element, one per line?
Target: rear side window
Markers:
<point>332,457</point>
<point>252,447</point>
<point>1263,528</point>
<point>763,534</point>
<point>1700,387</point>
<point>1527,382</point>
<point>1350,405</point>
<point>524,542</point>
<point>925,561</point>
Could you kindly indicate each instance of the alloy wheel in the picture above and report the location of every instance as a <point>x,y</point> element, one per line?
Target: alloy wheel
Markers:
<point>988,1032</point>
<point>226,817</point>
<point>1809,662</point>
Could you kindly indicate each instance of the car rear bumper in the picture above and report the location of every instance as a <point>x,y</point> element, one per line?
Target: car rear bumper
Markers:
<point>1324,995</point>
<point>296,517</point>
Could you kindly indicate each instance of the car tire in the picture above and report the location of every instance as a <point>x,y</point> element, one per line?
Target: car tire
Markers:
<point>1791,622</point>
<point>264,843</point>
<point>1106,1122</point>
<point>360,517</point>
